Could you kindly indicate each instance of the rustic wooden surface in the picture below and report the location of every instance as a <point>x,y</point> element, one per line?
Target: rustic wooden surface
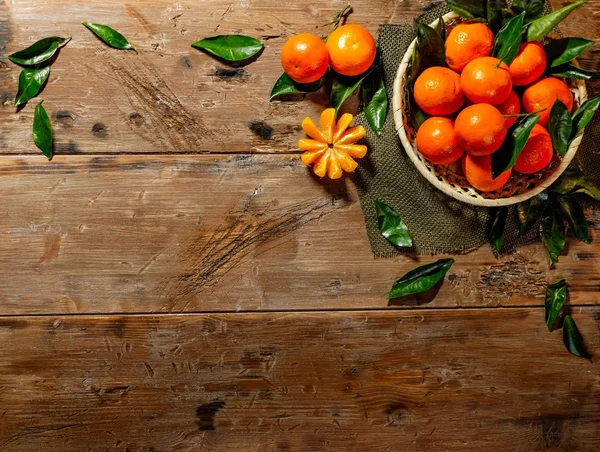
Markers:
<point>129,270</point>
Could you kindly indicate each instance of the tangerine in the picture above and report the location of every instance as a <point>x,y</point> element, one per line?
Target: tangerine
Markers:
<point>304,58</point>
<point>352,49</point>
<point>542,95</point>
<point>437,91</point>
<point>480,129</point>
<point>466,42</point>
<point>478,171</point>
<point>537,153</point>
<point>511,106</point>
<point>486,80</point>
<point>437,141</point>
<point>529,64</point>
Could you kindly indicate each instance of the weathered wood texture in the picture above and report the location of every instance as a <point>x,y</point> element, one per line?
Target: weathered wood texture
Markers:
<point>170,97</point>
<point>467,380</point>
<point>213,233</point>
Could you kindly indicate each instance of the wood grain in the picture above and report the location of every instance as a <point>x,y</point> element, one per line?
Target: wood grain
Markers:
<point>169,97</point>
<point>424,380</point>
<point>226,233</point>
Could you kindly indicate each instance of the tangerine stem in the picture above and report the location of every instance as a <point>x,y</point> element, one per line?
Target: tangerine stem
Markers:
<point>518,115</point>
<point>338,17</point>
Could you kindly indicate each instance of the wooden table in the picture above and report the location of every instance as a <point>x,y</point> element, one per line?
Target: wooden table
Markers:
<point>175,279</point>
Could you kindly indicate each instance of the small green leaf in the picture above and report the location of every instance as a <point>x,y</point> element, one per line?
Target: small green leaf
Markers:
<point>418,116</point>
<point>40,51</point>
<point>421,278</point>
<point>468,9</point>
<point>110,36</point>
<point>42,130</point>
<point>573,213</point>
<point>560,127</point>
<point>573,339</point>
<point>561,51</point>
<point>230,47</point>
<point>552,232</point>
<point>286,86</point>
<point>415,64</point>
<point>342,88</point>
<point>496,231</point>
<point>374,98</point>
<point>508,39</point>
<point>494,14</point>
<point>570,71</point>
<point>516,138</point>
<point>391,226</point>
<point>30,83</point>
<point>440,28</point>
<point>584,115</point>
<point>531,8</point>
<point>530,211</point>
<point>572,182</point>
<point>430,46</point>
<point>539,28</point>
<point>556,295</point>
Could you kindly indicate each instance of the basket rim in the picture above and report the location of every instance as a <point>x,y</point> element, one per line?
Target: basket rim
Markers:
<point>413,153</point>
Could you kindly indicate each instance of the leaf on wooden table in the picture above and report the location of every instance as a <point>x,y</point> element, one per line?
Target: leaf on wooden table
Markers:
<point>31,81</point>
<point>552,232</point>
<point>516,138</point>
<point>232,48</point>
<point>573,213</point>
<point>421,278</point>
<point>375,101</point>
<point>391,225</point>
<point>573,339</point>
<point>540,27</point>
<point>286,86</point>
<point>342,88</point>
<point>531,8</point>
<point>508,39</point>
<point>496,230</point>
<point>560,127</point>
<point>530,211</point>
<point>110,36</point>
<point>584,115</point>
<point>38,52</point>
<point>562,51</point>
<point>42,130</point>
<point>556,295</point>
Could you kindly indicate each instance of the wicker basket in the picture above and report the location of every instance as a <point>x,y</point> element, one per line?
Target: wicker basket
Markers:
<point>449,179</point>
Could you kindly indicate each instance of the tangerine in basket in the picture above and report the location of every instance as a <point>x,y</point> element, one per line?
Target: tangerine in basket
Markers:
<point>486,80</point>
<point>529,64</point>
<point>304,58</point>
<point>542,94</point>
<point>511,106</point>
<point>466,42</point>
<point>352,49</point>
<point>437,91</point>
<point>480,129</point>
<point>437,141</point>
<point>478,171</point>
<point>537,153</point>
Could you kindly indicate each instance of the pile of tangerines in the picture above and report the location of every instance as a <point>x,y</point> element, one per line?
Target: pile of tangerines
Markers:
<point>484,86</point>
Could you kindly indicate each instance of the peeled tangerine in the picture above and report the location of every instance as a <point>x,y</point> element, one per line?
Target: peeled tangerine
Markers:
<point>331,148</point>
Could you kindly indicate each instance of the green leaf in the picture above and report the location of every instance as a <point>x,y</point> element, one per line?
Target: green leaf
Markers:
<point>416,63</point>
<point>571,71</point>
<point>286,86</point>
<point>391,226</point>
<point>531,8</point>
<point>418,116</point>
<point>42,130</point>
<point>560,127</point>
<point>440,28</point>
<point>40,51</point>
<point>230,47</point>
<point>494,14</point>
<point>430,46</point>
<point>530,211</point>
<point>374,97</point>
<point>110,36</point>
<point>539,28</point>
<point>421,278</point>
<point>30,83</point>
<point>561,51</point>
<point>469,9</point>
<point>552,232</point>
<point>572,182</point>
<point>584,115</point>
<point>508,39</point>
<point>516,138</point>
<point>496,231</point>
<point>573,213</point>
<point>573,339</point>
<point>556,295</point>
<point>342,88</point>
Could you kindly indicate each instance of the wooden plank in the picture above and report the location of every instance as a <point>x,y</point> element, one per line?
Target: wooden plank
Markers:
<point>226,233</point>
<point>423,380</point>
<point>170,97</point>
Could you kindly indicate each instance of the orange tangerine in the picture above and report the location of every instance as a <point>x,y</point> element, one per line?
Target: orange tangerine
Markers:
<point>480,129</point>
<point>542,94</point>
<point>529,64</point>
<point>478,171</point>
<point>437,141</point>
<point>537,153</point>
<point>352,49</point>
<point>467,41</point>
<point>486,80</point>
<point>437,91</point>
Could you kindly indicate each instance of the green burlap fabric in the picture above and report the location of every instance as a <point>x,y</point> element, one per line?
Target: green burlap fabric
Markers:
<point>438,223</point>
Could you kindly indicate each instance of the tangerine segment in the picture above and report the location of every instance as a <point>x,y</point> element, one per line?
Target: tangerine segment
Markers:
<point>466,42</point>
<point>341,126</point>
<point>511,106</point>
<point>352,135</point>
<point>328,117</point>
<point>346,162</point>
<point>529,64</point>
<point>304,58</point>
<point>486,80</point>
<point>307,144</point>
<point>352,49</point>
<point>353,150</point>
<point>542,94</point>
<point>537,153</point>
<point>438,92</point>
<point>478,171</point>
<point>480,129</point>
<point>311,156</point>
<point>437,141</point>
<point>311,129</point>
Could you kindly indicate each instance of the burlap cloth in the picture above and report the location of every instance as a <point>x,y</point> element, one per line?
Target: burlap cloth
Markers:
<point>438,223</point>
